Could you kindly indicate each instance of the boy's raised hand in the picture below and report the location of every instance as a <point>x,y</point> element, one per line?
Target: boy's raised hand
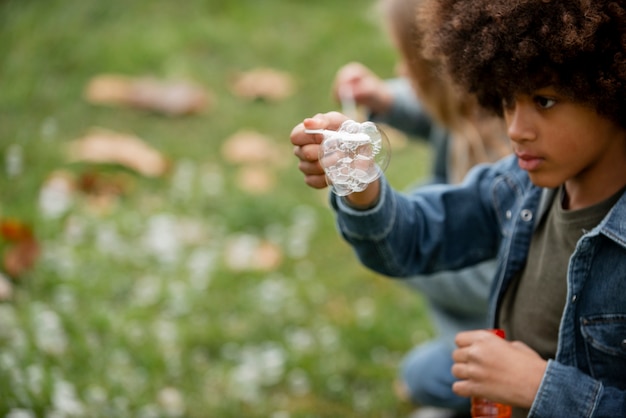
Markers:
<point>306,146</point>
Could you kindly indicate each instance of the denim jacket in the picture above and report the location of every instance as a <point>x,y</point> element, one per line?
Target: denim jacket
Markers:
<point>493,213</point>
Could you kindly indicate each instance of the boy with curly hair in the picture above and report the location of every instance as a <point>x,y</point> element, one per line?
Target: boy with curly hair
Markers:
<point>554,213</point>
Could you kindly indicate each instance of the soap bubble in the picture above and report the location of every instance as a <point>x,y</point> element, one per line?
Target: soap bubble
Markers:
<point>354,156</point>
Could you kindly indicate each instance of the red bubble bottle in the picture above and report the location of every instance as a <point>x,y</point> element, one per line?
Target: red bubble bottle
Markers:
<point>484,408</point>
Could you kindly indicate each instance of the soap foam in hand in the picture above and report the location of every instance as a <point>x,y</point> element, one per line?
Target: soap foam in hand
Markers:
<point>353,156</point>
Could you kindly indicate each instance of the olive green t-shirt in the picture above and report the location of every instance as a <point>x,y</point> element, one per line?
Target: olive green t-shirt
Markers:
<point>533,304</point>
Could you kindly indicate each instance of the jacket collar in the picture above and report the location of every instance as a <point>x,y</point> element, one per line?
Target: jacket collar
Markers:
<point>614,224</point>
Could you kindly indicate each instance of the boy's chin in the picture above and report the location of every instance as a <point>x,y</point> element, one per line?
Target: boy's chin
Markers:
<point>544,181</point>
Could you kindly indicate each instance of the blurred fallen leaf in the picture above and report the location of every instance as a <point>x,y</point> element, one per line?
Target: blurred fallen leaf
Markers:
<point>21,257</point>
<point>246,147</point>
<point>23,251</point>
<point>104,189</point>
<point>246,252</point>
<point>100,183</point>
<point>102,146</point>
<point>172,98</point>
<point>14,230</point>
<point>255,180</point>
<point>263,83</point>
<point>267,256</point>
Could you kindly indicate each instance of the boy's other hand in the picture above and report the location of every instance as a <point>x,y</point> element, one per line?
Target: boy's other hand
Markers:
<point>490,367</point>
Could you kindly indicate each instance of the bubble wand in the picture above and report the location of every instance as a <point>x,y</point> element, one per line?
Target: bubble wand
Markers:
<point>353,156</point>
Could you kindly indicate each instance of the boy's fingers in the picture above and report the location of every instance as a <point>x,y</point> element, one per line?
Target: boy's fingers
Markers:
<point>307,152</point>
<point>316,181</point>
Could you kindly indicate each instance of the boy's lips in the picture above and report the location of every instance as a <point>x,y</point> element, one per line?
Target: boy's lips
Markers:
<point>528,161</point>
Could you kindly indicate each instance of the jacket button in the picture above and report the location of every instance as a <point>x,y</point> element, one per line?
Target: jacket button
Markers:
<point>526,215</point>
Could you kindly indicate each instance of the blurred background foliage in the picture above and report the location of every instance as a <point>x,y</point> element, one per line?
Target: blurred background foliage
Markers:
<point>154,297</point>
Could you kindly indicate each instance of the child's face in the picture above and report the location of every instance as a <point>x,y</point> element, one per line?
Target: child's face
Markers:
<point>559,141</point>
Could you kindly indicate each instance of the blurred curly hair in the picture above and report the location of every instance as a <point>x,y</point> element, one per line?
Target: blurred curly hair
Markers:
<point>497,49</point>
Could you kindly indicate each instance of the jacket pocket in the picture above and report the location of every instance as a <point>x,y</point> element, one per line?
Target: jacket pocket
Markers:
<point>605,345</point>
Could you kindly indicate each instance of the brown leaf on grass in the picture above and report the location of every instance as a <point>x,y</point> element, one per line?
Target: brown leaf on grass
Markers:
<point>23,251</point>
<point>21,257</point>
<point>250,147</point>
<point>263,83</point>
<point>14,230</point>
<point>94,182</point>
<point>256,180</point>
<point>102,146</point>
<point>172,98</point>
<point>245,252</point>
<point>267,256</point>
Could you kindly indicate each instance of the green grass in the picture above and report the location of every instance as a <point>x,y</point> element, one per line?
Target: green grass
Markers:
<point>107,325</point>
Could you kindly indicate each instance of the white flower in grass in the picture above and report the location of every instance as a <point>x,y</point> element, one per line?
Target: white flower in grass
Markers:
<point>8,321</point>
<point>328,337</point>
<point>65,402</point>
<point>65,298</point>
<point>362,400</point>
<point>35,379</point>
<point>57,195</point>
<point>230,351</point>
<point>273,293</point>
<point>178,295</point>
<point>14,160</point>
<point>301,231</point>
<point>109,241</point>
<point>273,358</point>
<point>259,366</point>
<point>149,411</point>
<point>20,413</point>
<point>299,383</point>
<point>365,312</point>
<point>6,289</point>
<point>50,336</point>
<point>300,340</point>
<point>212,181</point>
<point>336,383</point>
<point>61,259</point>
<point>171,402</point>
<point>146,291</point>
<point>183,180</point>
<point>96,396</point>
<point>201,263</point>
<point>244,383</point>
<point>161,238</point>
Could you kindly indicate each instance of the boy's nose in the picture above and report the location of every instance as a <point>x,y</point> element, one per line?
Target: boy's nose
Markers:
<point>519,124</point>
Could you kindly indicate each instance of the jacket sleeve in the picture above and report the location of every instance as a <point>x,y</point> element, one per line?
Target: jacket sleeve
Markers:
<point>438,227</point>
<point>567,392</point>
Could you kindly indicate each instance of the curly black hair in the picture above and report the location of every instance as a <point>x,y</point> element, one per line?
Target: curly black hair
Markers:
<point>496,49</point>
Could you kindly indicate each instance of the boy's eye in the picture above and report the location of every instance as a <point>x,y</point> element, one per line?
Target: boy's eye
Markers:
<point>544,102</point>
